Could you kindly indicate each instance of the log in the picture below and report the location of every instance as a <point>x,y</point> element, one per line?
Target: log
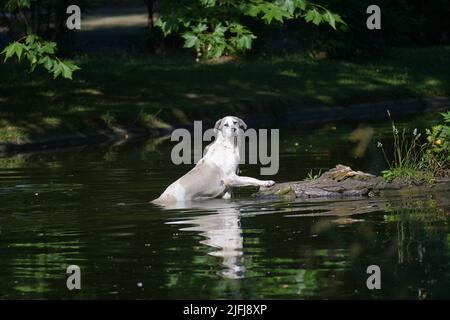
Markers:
<point>343,182</point>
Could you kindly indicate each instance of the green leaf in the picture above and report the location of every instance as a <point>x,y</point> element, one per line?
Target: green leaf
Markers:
<point>313,16</point>
<point>57,70</point>
<point>13,5</point>
<point>49,47</point>
<point>67,72</point>
<point>14,48</point>
<point>66,69</point>
<point>206,27</point>
<point>19,50</point>
<point>253,10</point>
<point>208,3</point>
<point>31,38</point>
<point>288,6</point>
<point>245,41</point>
<point>220,29</point>
<point>9,51</point>
<point>272,11</point>
<point>191,40</point>
<point>199,28</point>
<point>39,52</point>
<point>446,116</point>
<point>168,24</point>
<point>329,17</point>
<point>301,4</point>
<point>47,63</point>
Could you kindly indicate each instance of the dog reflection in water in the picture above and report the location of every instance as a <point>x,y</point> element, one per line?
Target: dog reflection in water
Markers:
<point>222,231</point>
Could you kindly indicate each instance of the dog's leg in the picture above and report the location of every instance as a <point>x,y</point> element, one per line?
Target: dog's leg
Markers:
<point>238,181</point>
<point>227,194</point>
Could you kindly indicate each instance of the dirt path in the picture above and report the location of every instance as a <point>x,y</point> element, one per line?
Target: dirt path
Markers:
<point>114,29</point>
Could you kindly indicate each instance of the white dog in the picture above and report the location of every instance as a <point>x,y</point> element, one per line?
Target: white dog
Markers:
<point>216,173</point>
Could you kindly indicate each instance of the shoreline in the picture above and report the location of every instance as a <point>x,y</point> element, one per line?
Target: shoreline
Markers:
<point>308,115</point>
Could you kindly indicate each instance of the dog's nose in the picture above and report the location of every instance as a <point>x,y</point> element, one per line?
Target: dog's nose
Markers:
<point>234,129</point>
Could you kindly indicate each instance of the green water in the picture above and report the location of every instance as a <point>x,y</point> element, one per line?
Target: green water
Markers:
<point>89,207</point>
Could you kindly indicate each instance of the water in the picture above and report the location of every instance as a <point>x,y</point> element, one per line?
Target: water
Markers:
<point>89,207</point>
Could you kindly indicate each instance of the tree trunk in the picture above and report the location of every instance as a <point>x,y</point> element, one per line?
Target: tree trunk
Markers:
<point>150,24</point>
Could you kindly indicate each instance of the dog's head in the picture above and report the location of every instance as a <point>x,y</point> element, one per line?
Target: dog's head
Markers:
<point>229,126</point>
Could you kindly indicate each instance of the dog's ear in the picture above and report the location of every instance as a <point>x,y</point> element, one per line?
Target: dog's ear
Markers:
<point>218,125</point>
<point>241,122</point>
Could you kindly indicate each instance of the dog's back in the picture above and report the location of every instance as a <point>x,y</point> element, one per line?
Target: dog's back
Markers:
<point>205,180</point>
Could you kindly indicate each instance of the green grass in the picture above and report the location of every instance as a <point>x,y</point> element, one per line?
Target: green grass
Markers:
<point>409,175</point>
<point>155,92</point>
<point>418,159</point>
<point>313,176</point>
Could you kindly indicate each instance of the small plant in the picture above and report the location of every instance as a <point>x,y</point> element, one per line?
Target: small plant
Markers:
<point>438,153</point>
<point>108,119</point>
<point>311,176</point>
<point>407,162</point>
<point>409,175</point>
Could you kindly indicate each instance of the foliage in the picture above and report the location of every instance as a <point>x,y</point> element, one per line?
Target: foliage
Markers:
<point>403,23</point>
<point>438,137</point>
<point>407,161</point>
<point>220,27</point>
<point>32,47</point>
<point>40,52</point>
<point>414,161</point>
<point>409,175</point>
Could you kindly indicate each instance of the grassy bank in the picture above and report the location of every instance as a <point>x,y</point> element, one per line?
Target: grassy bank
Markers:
<point>155,92</point>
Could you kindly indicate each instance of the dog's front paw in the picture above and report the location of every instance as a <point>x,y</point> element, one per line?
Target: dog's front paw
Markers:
<point>268,183</point>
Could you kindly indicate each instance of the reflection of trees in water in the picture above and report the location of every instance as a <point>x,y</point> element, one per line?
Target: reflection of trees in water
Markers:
<point>422,244</point>
<point>271,268</point>
<point>323,249</point>
<point>406,236</point>
<point>418,224</point>
<point>33,266</point>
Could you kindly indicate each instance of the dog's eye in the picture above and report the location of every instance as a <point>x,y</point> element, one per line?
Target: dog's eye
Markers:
<point>226,125</point>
